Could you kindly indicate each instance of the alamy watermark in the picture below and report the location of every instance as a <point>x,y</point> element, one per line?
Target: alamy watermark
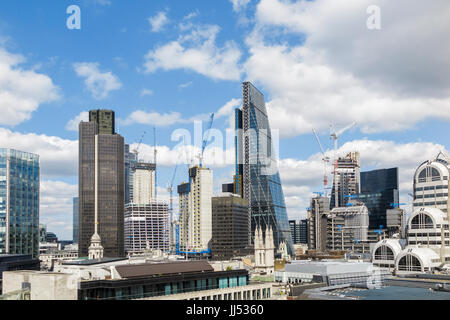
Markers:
<point>374,19</point>
<point>73,22</point>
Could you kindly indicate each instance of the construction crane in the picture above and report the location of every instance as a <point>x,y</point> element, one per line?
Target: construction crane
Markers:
<point>136,151</point>
<point>325,160</point>
<point>205,139</point>
<point>170,190</point>
<point>155,153</point>
<point>335,136</point>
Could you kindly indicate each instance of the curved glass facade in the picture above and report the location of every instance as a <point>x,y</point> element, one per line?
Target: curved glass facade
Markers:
<point>257,177</point>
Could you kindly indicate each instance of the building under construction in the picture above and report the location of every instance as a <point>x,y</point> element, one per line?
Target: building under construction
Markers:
<point>347,227</point>
<point>317,223</point>
<point>346,181</point>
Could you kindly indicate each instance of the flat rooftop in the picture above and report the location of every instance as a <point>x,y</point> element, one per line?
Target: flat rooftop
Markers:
<point>400,293</point>
<point>87,262</point>
<point>149,269</point>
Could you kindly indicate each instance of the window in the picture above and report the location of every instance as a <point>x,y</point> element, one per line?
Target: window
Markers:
<point>409,263</point>
<point>384,253</point>
<point>422,221</point>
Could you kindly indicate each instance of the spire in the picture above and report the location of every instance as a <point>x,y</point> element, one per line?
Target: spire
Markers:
<point>96,249</point>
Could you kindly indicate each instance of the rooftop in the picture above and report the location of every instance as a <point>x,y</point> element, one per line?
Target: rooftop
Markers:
<point>146,270</point>
<point>87,262</point>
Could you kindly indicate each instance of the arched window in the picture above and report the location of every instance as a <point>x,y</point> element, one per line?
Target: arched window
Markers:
<point>384,253</point>
<point>409,263</point>
<point>423,174</point>
<point>422,221</point>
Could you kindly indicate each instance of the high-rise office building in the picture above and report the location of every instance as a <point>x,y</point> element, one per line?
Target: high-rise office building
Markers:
<point>230,227</point>
<point>196,210</point>
<point>257,177</point>
<point>346,180</point>
<point>303,226</point>
<point>294,225</point>
<point>431,184</point>
<point>101,184</point>
<point>317,223</point>
<point>130,159</point>
<point>379,192</point>
<point>142,182</point>
<point>19,202</point>
<point>75,220</point>
<point>147,226</point>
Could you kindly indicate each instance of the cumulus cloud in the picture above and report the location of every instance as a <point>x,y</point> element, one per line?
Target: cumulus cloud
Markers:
<point>58,157</point>
<point>21,91</point>
<point>74,123</point>
<point>159,21</point>
<point>196,50</point>
<point>56,207</point>
<point>239,5</point>
<point>338,70</point>
<point>98,83</point>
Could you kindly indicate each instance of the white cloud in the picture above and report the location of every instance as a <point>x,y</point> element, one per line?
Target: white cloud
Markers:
<point>21,91</point>
<point>74,123</point>
<point>239,5</point>
<point>152,118</point>
<point>343,71</point>
<point>185,85</point>
<point>98,83</point>
<point>56,207</point>
<point>197,51</point>
<point>58,157</point>
<point>159,21</point>
<point>146,92</point>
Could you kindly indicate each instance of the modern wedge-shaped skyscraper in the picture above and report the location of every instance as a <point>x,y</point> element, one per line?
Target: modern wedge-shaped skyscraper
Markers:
<point>257,178</point>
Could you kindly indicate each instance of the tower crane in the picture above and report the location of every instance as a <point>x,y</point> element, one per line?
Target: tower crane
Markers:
<point>155,153</point>
<point>136,151</point>
<point>335,136</point>
<point>170,190</point>
<point>325,160</point>
<point>206,138</point>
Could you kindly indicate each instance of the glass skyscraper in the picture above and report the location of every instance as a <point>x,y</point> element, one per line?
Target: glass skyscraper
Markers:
<point>379,189</point>
<point>257,178</point>
<point>19,202</point>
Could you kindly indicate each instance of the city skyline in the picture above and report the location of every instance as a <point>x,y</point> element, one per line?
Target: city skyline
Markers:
<point>142,70</point>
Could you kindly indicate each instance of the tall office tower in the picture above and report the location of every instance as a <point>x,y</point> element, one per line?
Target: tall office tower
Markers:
<point>257,178</point>
<point>130,158</point>
<point>229,227</point>
<point>142,182</point>
<point>303,231</point>
<point>346,181</point>
<point>75,220</point>
<point>195,210</point>
<point>317,223</point>
<point>147,226</point>
<point>347,226</point>
<point>294,225</point>
<point>19,202</point>
<point>101,184</point>
<point>379,191</point>
<point>431,184</point>
<point>42,233</point>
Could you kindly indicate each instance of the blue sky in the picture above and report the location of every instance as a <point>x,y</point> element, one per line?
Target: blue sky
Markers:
<point>171,62</point>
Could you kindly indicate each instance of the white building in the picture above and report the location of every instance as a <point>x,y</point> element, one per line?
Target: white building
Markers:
<point>427,248</point>
<point>264,251</point>
<point>146,225</point>
<point>196,210</point>
<point>431,184</point>
<point>143,183</point>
